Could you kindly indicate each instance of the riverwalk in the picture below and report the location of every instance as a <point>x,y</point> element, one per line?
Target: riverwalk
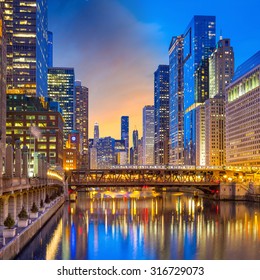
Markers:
<point>10,247</point>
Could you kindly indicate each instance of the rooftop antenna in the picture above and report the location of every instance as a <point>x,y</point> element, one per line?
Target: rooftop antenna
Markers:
<point>220,37</point>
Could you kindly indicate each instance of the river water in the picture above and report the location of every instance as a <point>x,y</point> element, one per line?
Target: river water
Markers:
<point>146,225</point>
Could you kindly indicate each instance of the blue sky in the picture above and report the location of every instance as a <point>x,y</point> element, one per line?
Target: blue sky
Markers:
<point>116,45</point>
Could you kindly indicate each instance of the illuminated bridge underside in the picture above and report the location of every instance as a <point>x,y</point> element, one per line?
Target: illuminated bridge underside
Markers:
<point>142,177</point>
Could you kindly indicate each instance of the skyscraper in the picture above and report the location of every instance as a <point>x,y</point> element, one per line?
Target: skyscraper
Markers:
<point>50,49</point>
<point>135,147</point>
<point>221,67</point>
<point>81,117</point>
<point>105,152</point>
<point>26,26</point>
<point>96,134</point>
<point>176,100</point>
<point>161,114</point>
<point>221,71</point>
<point>2,90</point>
<point>125,132</point>
<point>148,135</point>
<point>199,43</point>
<point>61,88</point>
<point>243,114</point>
<point>93,160</point>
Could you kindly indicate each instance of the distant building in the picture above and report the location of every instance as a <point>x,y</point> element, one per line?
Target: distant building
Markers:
<point>72,152</point>
<point>140,152</point>
<point>161,114</point>
<point>92,155</point>
<point>148,135</point>
<point>125,133</point>
<point>81,120</point>
<point>135,147</point>
<point>96,134</point>
<point>105,153</point>
<point>215,136</point>
<point>176,100</point>
<point>26,28</point>
<point>93,160</point>
<point>120,152</point>
<point>243,115</point>
<point>61,88</point>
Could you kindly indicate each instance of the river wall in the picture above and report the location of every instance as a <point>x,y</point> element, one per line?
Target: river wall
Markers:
<point>239,191</point>
<point>12,248</point>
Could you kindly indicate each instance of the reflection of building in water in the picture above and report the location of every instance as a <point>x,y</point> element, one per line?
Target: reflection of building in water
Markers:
<point>177,226</point>
<point>75,243</point>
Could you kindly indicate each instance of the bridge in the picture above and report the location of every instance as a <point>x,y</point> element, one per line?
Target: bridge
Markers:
<point>205,179</point>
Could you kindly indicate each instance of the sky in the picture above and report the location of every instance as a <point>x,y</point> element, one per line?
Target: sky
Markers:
<point>115,46</point>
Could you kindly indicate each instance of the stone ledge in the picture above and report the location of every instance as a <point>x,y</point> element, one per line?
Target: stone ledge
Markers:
<point>14,247</point>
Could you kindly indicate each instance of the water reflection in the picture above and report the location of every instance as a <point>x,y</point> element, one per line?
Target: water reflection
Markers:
<point>169,226</point>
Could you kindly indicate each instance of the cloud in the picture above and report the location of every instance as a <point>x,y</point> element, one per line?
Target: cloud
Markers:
<point>113,54</point>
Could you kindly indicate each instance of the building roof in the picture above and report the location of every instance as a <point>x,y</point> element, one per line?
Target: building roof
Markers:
<point>247,66</point>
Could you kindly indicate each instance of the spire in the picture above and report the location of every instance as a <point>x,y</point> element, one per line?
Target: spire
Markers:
<point>220,37</point>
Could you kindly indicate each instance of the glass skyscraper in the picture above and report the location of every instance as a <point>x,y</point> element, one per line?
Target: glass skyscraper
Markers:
<point>148,135</point>
<point>125,132</point>
<point>26,26</point>
<point>199,43</point>
<point>81,119</point>
<point>61,88</point>
<point>50,49</point>
<point>176,100</point>
<point>161,114</point>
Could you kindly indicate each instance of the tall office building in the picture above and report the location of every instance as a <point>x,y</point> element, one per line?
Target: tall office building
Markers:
<point>161,114</point>
<point>120,152</point>
<point>135,147</point>
<point>38,124</point>
<point>243,114</point>
<point>96,134</point>
<point>50,49</point>
<point>26,26</point>
<point>125,132</point>
<point>176,100</point>
<point>221,71</point>
<point>199,43</point>
<point>2,90</point>
<point>148,135</point>
<point>215,136</point>
<point>61,88</point>
<point>221,67</point>
<point>81,117</point>
<point>200,135</point>
<point>105,152</point>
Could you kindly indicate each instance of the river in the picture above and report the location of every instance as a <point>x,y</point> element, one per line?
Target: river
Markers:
<point>142,225</point>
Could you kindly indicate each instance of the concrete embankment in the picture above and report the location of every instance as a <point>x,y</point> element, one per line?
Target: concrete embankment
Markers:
<point>14,246</point>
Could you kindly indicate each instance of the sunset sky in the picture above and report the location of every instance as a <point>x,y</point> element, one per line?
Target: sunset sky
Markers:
<point>116,45</point>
